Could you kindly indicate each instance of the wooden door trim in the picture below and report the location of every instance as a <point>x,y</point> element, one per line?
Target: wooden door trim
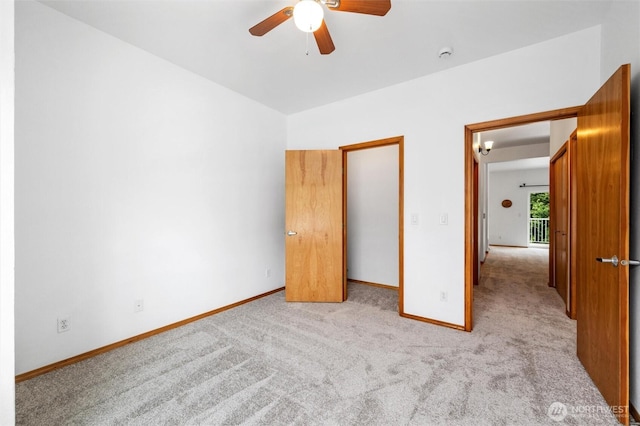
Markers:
<point>568,147</point>
<point>476,218</point>
<point>573,221</point>
<point>565,149</point>
<point>557,114</point>
<point>469,157</point>
<point>560,152</point>
<point>552,213</point>
<point>397,140</point>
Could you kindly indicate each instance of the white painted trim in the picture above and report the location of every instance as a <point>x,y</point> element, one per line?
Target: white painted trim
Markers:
<point>7,246</point>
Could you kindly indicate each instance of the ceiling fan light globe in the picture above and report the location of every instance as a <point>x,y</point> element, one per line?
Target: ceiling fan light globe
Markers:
<point>307,15</point>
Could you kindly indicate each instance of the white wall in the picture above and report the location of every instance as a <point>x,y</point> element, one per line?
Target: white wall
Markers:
<point>7,251</point>
<point>483,211</point>
<point>499,155</point>
<point>372,215</point>
<point>431,113</point>
<point>509,226</point>
<point>560,130</point>
<point>483,202</point>
<point>135,179</point>
<point>429,109</point>
<point>621,45</point>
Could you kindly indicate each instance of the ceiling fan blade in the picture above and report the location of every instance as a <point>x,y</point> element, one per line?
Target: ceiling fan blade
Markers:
<point>323,38</point>
<point>369,7</point>
<point>271,22</point>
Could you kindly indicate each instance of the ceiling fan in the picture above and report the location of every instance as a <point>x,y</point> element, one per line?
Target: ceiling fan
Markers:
<point>308,16</point>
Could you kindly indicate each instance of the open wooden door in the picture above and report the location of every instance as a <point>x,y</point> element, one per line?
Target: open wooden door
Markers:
<point>313,221</point>
<point>602,231</point>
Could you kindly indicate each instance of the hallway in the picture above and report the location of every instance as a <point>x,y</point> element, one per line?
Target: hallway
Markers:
<point>513,290</point>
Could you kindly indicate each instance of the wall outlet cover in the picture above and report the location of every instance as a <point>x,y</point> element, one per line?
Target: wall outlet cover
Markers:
<point>64,324</point>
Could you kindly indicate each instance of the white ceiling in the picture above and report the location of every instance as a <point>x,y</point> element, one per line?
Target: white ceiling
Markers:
<point>522,164</point>
<point>527,134</point>
<point>211,38</point>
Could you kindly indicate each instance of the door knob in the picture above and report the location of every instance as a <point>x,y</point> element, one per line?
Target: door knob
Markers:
<point>613,260</point>
<point>291,233</point>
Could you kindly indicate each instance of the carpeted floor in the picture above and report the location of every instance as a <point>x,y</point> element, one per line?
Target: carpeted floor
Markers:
<point>355,363</point>
<point>384,298</point>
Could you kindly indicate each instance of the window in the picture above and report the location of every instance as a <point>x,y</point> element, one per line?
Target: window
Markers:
<point>539,218</point>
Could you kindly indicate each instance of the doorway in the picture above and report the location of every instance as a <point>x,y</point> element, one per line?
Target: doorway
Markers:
<point>316,222</point>
<point>601,232</point>
<point>538,219</point>
<point>362,263</point>
<point>471,198</point>
<point>562,219</point>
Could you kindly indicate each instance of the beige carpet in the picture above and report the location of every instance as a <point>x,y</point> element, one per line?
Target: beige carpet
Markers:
<point>355,363</point>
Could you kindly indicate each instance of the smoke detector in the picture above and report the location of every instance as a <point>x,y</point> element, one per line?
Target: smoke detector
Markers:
<point>445,52</point>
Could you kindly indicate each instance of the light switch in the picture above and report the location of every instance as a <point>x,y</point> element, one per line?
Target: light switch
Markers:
<point>415,219</point>
<point>444,219</point>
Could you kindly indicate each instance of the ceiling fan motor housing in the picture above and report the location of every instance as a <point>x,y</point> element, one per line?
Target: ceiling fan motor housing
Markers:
<point>317,25</point>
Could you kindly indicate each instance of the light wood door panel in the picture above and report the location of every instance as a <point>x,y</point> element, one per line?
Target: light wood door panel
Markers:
<point>314,254</point>
<point>602,230</point>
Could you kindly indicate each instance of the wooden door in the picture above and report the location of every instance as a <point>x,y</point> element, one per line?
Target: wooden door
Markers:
<point>476,227</point>
<point>313,221</point>
<point>602,231</point>
<point>559,226</point>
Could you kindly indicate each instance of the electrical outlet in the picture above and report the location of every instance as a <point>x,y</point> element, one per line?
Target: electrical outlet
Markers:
<point>138,305</point>
<point>64,324</point>
<point>267,273</point>
<point>444,296</point>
